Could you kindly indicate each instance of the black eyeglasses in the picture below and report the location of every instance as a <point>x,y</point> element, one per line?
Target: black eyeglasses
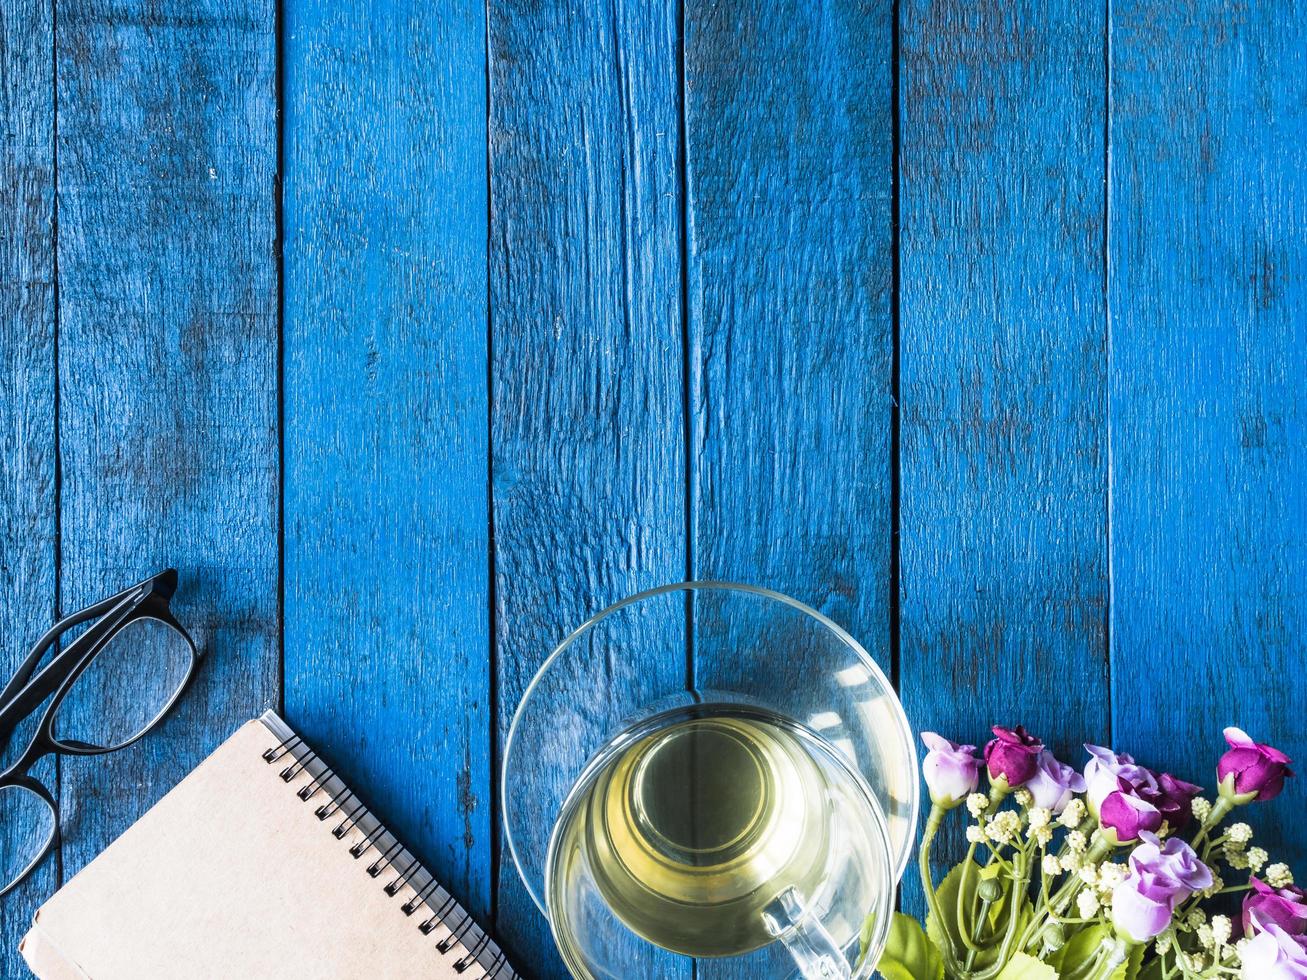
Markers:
<point>134,637</point>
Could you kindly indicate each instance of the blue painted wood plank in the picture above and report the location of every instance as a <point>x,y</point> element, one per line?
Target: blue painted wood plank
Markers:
<point>168,364</point>
<point>1003,373</point>
<point>789,163</point>
<point>27,395</point>
<point>386,563</point>
<point>790,273</point>
<point>1209,349</point>
<point>585,298</point>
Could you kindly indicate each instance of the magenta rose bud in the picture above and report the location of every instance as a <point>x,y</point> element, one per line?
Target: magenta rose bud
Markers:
<point>1251,768</point>
<point>1274,955</point>
<point>1013,756</point>
<point>1161,877</point>
<point>1128,815</point>
<point>952,771</point>
<point>1266,906</point>
<point>1174,798</point>
<point>1054,784</point>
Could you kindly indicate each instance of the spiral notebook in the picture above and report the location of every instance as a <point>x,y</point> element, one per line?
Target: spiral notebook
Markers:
<point>260,863</point>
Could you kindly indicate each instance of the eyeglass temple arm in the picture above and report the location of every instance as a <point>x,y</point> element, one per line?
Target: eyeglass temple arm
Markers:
<point>23,692</point>
<point>164,583</point>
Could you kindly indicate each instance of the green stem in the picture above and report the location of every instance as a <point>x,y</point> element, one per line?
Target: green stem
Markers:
<point>1220,809</point>
<point>964,914</point>
<point>1019,883</point>
<point>933,820</point>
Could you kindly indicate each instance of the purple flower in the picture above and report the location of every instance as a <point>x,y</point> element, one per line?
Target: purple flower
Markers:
<point>1266,906</point>
<point>1128,815</point>
<point>1274,955</point>
<point>1053,783</point>
<point>1013,756</point>
<point>952,771</point>
<point>1160,878</point>
<point>1173,797</point>
<point>1172,867</point>
<point>1106,769</point>
<point>1255,768</point>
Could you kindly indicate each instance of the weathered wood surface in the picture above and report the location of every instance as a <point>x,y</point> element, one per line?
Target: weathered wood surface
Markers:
<point>577,300</point>
<point>1003,376</point>
<point>167,348</point>
<point>586,402</point>
<point>789,165</point>
<point>28,505</point>
<point>1208,302</point>
<point>386,569</point>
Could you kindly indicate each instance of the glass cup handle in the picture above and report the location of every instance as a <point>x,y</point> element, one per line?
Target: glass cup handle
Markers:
<point>806,939</point>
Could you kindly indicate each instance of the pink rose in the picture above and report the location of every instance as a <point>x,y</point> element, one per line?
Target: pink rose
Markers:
<point>1106,769</point>
<point>1128,815</point>
<point>1013,755</point>
<point>1274,955</point>
<point>1266,906</point>
<point>1255,768</point>
<point>952,771</point>
<point>1053,783</point>
<point>1161,877</point>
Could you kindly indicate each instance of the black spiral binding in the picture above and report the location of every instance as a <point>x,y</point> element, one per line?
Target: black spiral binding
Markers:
<point>445,910</point>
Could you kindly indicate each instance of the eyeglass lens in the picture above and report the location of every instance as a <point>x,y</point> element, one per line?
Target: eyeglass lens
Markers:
<point>27,825</point>
<point>126,687</point>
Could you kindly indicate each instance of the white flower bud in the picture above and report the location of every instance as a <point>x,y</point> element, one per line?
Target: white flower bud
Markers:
<point>1279,876</point>
<point>975,835</point>
<point>1110,875</point>
<point>1202,809</point>
<point>1222,929</point>
<point>1087,903</point>
<point>977,803</point>
<point>1205,937</point>
<point>1051,865</point>
<point>1023,797</point>
<point>1040,817</point>
<point>1073,814</point>
<point>1257,859</point>
<point>1077,842</point>
<point>1089,874</point>
<point>1240,833</point>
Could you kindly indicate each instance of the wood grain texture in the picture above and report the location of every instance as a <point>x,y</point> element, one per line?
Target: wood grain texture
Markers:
<point>585,291</point>
<point>789,150</point>
<point>167,363</point>
<point>168,376</point>
<point>1209,382</point>
<point>1003,373</point>
<point>386,564</point>
<point>27,387</point>
<point>790,266</point>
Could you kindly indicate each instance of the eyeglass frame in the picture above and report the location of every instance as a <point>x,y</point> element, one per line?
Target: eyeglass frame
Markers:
<point>28,688</point>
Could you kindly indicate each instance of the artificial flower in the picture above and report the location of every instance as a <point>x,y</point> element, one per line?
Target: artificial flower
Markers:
<point>952,771</point>
<point>1173,798</point>
<point>1013,755</point>
<point>1054,784</point>
<point>1283,907</point>
<point>1254,768</point>
<point>1161,877</point>
<point>1273,954</point>
<point>1127,815</point>
<point>1106,769</point>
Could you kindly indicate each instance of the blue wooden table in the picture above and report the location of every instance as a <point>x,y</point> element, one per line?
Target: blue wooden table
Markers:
<point>414,332</point>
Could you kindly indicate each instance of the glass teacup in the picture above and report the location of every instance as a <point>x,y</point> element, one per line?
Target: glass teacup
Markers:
<point>745,799</point>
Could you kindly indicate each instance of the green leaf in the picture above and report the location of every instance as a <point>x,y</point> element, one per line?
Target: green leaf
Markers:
<point>1023,967</point>
<point>1129,970</point>
<point>909,953</point>
<point>946,933</point>
<point>1079,950</point>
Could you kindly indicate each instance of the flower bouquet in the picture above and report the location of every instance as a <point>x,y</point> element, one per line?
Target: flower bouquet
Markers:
<point>1118,872</point>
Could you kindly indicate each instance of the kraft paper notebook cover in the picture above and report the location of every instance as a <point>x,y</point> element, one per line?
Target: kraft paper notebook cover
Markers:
<point>260,863</point>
